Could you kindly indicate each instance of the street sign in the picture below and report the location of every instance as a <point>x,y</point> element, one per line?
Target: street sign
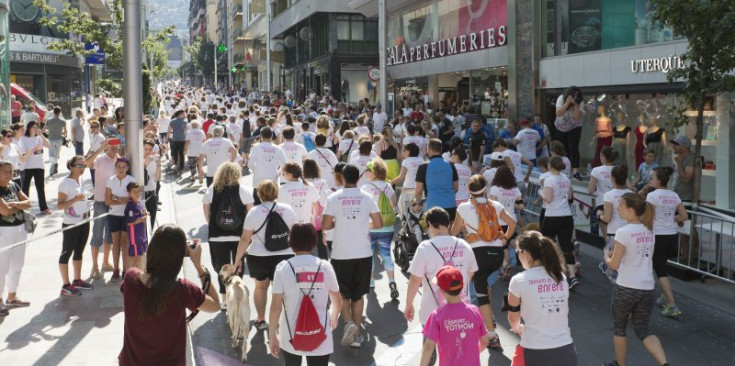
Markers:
<point>374,73</point>
<point>98,57</point>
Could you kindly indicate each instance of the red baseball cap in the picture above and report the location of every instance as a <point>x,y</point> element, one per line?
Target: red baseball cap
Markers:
<point>449,278</point>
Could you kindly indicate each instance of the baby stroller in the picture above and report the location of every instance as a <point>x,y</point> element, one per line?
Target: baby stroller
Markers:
<point>409,236</point>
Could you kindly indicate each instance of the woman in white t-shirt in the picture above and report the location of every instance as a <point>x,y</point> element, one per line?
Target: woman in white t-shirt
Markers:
<point>346,145</point>
<point>491,255</point>
<point>557,148</point>
<point>303,275</point>
<point>226,193</point>
<point>312,175</point>
<point>632,297</point>
<point>504,189</point>
<point>33,143</point>
<point>558,220</point>
<point>409,167</point>
<point>366,155</point>
<point>601,180</point>
<point>380,239</point>
<point>325,158</point>
<point>463,173</point>
<point>610,216</point>
<point>296,192</point>
<point>11,152</point>
<point>116,196</point>
<point>73,201</point>
<point>540,296</point>
<point>668,212</point>
<point>260,261</point>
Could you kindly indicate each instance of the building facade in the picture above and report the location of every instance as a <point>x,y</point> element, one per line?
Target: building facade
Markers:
<point>4,65</point>
<point>620,58</point>
<point>329,48</point>
<point>53,76</point>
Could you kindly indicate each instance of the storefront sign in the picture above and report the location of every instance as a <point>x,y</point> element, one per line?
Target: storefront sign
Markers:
<point>43,58</point>
<point>32,43</point>
<point>374,73</point>
<point>663,64</point>
<point>470,25</point>
<point>98,57</point>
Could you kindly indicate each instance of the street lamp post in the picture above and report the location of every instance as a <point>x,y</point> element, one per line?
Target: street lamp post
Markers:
<point>382,33</point>
<point>268,47</point>
<point>215,66</point>
<point>133,86</point>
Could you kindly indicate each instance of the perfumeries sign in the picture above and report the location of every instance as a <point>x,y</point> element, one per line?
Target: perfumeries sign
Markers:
<point>488,38</point>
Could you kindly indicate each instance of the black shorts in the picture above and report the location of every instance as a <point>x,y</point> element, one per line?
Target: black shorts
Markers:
<point>116,223</point>
<point>452,213</point>
<point>353,276</point>
<point>263,268</point>
<point>665,247</point>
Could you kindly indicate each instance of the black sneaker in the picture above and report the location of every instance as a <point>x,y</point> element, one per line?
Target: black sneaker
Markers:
<point>261,325</point>
<point>393,290</point>
<point>577,177</point>
<point>613,363</point>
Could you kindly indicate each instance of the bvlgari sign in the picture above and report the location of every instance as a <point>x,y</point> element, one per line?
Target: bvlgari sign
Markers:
<point>489,38</point>
<point>466,26</point>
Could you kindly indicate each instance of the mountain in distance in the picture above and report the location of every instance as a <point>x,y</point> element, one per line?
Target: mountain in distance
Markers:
<point>162,13</point>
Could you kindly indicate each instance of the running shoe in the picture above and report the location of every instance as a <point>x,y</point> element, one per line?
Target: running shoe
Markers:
<point>223,303</point>
<point>661,301</point>
<point>70,291</point>
<point>578,268</point>
<point>372,283</point>
<point>393,290</point>
<point>107,267</point>
<point>82,285</point>
<point>603,268</point>
<point>573,283</point>
<point>671,311</point>
<point>357,342</point>
<point>3,311</point>
<point>95,274</point>
<point>351,330</point>
<point>261,325</point>
<point>577,177</point>
<point>494,342</point>
<point>16,303</point>
<point>613,363</point>
<point>115,276</point>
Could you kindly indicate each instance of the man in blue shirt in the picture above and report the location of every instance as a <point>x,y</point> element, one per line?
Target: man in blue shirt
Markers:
<point>177,137</point>
<point>538,125</point>
<point>438,180</point>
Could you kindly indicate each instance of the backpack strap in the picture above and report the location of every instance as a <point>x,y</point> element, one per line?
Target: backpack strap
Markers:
<point>456,242</point>
<point>325,158</point>
<point>267,217</point>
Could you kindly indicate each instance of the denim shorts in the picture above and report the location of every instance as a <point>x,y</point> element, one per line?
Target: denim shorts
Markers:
<point>100,227</point>
<point>382,241</point>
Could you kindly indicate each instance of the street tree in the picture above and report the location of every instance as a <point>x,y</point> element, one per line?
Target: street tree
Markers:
<point>709,26</point>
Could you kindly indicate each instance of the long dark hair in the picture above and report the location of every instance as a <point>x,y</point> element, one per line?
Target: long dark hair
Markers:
<point>504,178</point>
<point>545,250</point>
<point>165,258</point>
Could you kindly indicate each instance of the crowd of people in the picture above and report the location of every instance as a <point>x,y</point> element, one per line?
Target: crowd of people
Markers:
<point>332,185</point>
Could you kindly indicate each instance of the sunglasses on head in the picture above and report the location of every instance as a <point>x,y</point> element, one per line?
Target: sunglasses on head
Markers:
<point>79,166</point>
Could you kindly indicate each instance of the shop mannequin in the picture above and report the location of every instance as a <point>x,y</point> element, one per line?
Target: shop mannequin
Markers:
<point>621,139</point>
<point>603,133</point>
<point>640,134</point>
<point>655,139</point>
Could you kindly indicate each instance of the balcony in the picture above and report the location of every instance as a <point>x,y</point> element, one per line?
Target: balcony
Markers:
<point>237,10</point>
<point>238,35</point>
<point>238,59</point>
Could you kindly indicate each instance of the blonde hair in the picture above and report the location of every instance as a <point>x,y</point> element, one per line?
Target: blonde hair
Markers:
<point>322,123</point>
<point>377,167</point>
<point>268,191</point>
<point>227,175</point>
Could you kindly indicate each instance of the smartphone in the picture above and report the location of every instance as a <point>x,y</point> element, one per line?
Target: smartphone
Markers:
<point>193,243</point>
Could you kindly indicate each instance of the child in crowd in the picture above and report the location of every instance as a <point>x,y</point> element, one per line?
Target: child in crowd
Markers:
<point>456,328</point>
<point>135,219</point>
<point>645,169</point>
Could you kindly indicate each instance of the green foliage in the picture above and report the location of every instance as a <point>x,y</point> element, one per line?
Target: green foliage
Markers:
<point>111,87</point>
<point>202,55</point>
<point>147,96</point>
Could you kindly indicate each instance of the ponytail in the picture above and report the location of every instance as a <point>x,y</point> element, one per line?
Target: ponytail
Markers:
<point>610,154</point>
<point>647,217</point>
<point>295,170</point>
<point>642,209</point>
<point>544,250</point>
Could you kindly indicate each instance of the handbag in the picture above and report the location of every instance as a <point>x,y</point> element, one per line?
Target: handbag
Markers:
<point>30,221</point>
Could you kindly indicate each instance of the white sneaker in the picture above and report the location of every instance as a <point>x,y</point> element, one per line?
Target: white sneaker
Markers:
<point>349,336</point>
<point>223,305</point>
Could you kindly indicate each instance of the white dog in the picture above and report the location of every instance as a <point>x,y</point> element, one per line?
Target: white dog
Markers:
<point>237,297</point>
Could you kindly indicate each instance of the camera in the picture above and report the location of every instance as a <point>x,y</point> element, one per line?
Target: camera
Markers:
<point>578,97</point>
<point>192,245</point>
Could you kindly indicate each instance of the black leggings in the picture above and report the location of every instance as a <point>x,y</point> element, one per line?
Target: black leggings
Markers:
<point>561,356</point>
<point>37,176</point>
<point>489,259</point>
<point>664,248</point>
<point>177,153</point>
<point>222,252</point>
<point>561,227</point>
<point>570,140</point>
<point>74,240</point>
<point>320,247</point>
<point>295,360</point>
<point>151,205</point>
<point>634,304</point>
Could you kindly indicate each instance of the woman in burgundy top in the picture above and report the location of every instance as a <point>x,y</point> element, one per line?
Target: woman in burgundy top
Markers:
<point>155,301</point>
